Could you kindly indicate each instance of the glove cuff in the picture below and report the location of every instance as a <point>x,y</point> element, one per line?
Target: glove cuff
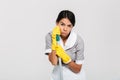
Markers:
<point>68,61</point>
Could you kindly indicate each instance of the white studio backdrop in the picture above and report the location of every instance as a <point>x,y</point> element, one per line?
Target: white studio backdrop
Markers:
<point>24,24</point>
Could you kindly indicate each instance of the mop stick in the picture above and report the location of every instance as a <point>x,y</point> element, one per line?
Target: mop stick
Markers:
<point>59,60</point>
<point>60,69</point>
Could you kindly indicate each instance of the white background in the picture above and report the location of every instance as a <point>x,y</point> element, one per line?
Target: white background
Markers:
<point>24,24</point>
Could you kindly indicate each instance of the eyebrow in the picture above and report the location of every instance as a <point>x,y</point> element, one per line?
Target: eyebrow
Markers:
<point>67,25</point>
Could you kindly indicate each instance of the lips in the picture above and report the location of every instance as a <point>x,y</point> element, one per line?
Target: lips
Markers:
<point>63,33</point>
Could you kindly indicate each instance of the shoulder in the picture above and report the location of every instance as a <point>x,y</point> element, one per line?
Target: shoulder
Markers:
<point>48,35</point>
<point>79,38</point>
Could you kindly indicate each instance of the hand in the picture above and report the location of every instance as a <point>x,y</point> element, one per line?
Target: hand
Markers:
<point>62,54</point>
<point>55,32</point>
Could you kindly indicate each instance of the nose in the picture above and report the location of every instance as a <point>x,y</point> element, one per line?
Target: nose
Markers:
<point>65,28</point>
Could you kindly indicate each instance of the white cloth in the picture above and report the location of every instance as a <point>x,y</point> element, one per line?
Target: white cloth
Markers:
<point>68,74</point>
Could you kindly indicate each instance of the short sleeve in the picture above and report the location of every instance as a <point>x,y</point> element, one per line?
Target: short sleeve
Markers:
<point>48,43</point>
<point>80,50</point>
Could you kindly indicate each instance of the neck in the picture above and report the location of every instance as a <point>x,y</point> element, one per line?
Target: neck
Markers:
<point>64,39</point>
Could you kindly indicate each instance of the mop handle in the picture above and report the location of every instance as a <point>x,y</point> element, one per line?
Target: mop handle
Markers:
<point>61,72</point>
<point>59,59</point>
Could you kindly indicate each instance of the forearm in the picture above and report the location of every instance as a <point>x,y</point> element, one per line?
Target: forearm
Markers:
<point>53,58</point>
<point>75,67</point>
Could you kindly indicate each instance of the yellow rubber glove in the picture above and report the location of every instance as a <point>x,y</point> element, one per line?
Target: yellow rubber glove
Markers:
<point>59,50</point>
<point>55,32</point>
<point>62,54</point>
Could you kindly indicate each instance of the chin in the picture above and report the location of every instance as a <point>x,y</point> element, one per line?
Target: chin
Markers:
<point>64,36</point>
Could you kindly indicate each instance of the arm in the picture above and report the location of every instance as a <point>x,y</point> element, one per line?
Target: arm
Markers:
<point>51,44</point>
<point>51,54</point>
<point>53,58</point>
<point>74,67</point>
<point>77,65</point>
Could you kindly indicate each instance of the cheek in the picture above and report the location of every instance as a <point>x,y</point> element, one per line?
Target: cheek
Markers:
<point>61,29</point>
<point>69,30</point>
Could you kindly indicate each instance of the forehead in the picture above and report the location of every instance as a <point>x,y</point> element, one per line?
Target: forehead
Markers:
<point>65,21</point>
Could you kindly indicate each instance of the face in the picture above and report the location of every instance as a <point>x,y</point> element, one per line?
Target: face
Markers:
<point>65,27</point>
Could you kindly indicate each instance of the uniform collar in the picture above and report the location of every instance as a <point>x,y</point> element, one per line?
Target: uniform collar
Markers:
<point>70,41</point>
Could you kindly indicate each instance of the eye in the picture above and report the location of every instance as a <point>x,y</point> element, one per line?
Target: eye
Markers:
<point>70,26</point>
<point>62,24</point>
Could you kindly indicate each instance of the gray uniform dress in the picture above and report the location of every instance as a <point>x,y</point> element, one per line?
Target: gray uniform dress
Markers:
<point>74,47</point>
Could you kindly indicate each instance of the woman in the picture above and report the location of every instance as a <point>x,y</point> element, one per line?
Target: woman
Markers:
<point>71,44</point>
